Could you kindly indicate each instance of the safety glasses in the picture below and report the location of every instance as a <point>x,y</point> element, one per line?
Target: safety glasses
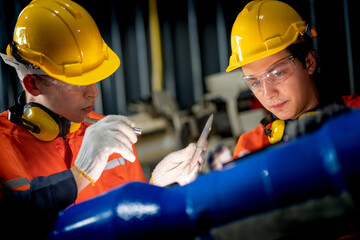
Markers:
<point>69,88</point>
<point>277,73</point>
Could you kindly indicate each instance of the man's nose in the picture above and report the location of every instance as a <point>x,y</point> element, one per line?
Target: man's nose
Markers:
<point>270,90</point>
<point>91,91</point>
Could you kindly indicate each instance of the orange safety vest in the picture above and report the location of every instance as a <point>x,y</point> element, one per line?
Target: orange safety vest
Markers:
<point>24,157</point>
<point>256,139</point>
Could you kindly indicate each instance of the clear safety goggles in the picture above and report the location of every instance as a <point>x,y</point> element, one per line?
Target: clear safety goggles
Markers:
<point>277,73</point>
<point>69,88</point>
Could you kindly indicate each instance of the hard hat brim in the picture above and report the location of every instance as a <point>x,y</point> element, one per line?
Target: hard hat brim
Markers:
<point>104,70</point>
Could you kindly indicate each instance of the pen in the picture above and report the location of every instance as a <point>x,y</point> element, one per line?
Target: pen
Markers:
<point>93,121</point>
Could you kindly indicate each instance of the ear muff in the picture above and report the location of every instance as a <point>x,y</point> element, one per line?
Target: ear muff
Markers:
<point>74,126</point>
<point>277,131</point>
<point>49,123</point>
<point>49,128</point>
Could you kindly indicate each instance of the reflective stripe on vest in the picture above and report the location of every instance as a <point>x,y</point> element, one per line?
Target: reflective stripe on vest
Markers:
<point>114,163</point>
<point>17,182</point>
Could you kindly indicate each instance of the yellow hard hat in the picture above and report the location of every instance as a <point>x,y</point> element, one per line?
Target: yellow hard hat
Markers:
<point>61,38</point>
<point>263,28</point>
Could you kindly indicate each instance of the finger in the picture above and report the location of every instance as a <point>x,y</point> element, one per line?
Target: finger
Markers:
<point>126,130</point>
<point>125,152</point>
<point>128,121</point>
<point>205,147</point>
<point>202,161</point>
<point>182,156</point>
<point>117,118</point>
<point>195,159</point>
<point>120,138</point>
<point>108,119</point>
<point>123,146</point>
<point>189,177</point>
<point>191,147</point>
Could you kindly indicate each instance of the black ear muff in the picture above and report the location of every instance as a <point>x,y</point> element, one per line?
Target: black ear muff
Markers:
<point>40,116</point>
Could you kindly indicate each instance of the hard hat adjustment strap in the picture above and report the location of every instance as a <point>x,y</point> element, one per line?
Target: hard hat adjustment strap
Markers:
<point>308,34</point>
<point>307,31</point>
<point>13,51</point>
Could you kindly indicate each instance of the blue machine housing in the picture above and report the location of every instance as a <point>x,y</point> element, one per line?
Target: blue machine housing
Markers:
<point>324,162</point>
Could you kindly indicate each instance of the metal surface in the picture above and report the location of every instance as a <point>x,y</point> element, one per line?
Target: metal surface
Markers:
<point>205,132</point>
<point>324,164</point>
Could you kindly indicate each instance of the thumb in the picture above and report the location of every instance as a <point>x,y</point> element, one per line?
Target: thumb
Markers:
<point>182,156</point>
<point>190,149</point>
<point>188,178</point>
<point>187,153</point>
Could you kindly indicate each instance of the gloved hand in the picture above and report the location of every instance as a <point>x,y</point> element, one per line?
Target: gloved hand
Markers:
<point>179,167</point>
<point>112,134</point>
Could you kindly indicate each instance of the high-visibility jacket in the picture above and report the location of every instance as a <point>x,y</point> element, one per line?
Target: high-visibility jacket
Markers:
<point>23,157</point>
<point>256,139</point>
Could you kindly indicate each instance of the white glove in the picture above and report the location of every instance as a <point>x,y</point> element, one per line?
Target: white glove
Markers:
<point>112,134</point>
<point>181,166</point>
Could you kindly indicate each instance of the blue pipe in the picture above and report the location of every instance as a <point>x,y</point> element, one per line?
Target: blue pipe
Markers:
<point>315,165</point>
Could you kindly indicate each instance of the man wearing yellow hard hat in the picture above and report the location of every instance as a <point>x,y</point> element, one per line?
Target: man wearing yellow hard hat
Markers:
<point>49,155</point>
<point>272,45</point>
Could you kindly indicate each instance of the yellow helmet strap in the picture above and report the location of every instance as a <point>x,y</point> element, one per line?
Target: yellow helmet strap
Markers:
<point>39,120</point>
<point>14,53</point>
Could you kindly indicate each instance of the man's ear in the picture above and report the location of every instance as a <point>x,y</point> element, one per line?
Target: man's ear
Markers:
<point>311,63</point>
<point>30,86</point>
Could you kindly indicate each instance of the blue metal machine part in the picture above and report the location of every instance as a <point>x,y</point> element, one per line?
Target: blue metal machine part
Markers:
<point>315,165</point>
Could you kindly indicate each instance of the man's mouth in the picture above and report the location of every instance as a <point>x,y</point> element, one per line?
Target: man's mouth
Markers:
<point>278,106</point>
<point>88,109</point>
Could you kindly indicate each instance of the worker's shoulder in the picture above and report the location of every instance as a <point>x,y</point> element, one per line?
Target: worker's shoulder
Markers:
<point>4,114</point>
<point>352,100</point>
<point>257,131</point>
<point>7,128</point>
<point>250,141</point>
<point>4,121</point>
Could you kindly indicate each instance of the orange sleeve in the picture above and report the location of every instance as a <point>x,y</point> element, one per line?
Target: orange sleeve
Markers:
<point>352,100</point>
<point>251,141</point>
